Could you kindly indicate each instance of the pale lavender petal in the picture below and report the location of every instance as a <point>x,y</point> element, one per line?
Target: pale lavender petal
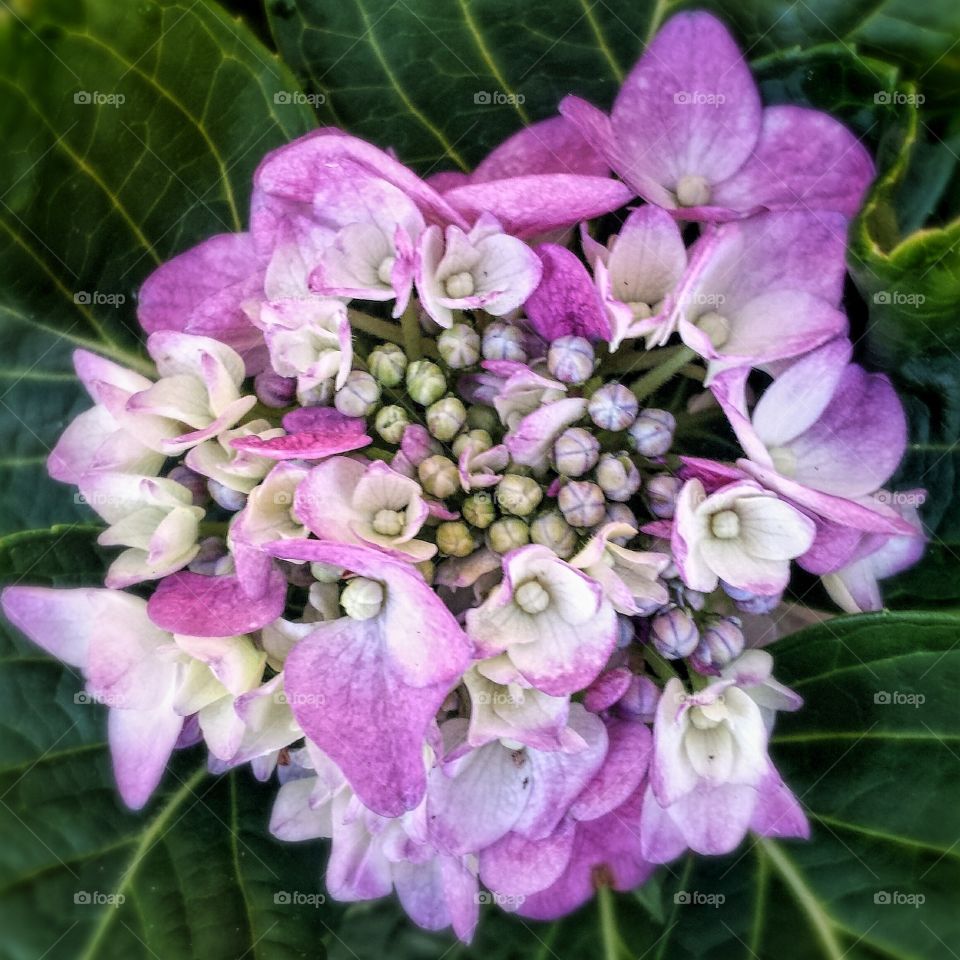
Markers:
<point>141,742</point>
<point>530,441</point>
<point>624,767</point>
<point>517,867</point>
<point>778,812</point>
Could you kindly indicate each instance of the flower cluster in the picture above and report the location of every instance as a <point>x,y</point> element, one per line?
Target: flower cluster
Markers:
<point>417,537</point>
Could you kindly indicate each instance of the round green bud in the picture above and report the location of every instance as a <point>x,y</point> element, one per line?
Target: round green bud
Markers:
<point>480,440</point>
<point>439,476</point>
<point>425,382</point>
<point>552,531</point>
<point>519,495</point>
<point>454,539</point>
<point>362,599</point>
<point>507,534</point>
<point>459,346</point>
<point>478,510</point>
<point>391,422</point>
<point>480,417</point>
<point>446,417</point>
<point>359,396</point>
<point>387,363</point>
<point>325,572</point>
<point>427,569</point>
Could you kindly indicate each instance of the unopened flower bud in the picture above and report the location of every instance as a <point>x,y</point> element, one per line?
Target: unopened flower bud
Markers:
<point>196,483</point>
<point>552,531</point>
<point>721,642</point>
<point>582,503</point>
<point>480,417</point>
<point>454,539</point>
<point>621,513</point>
<point>502,341</point>
<point>613,407</point>
<point>387,363</point>
<point>446,418</point>
<point>459,346</point>
<point>478,510</point>
<point>519,495</point>
<point>652,432</point>
<point>575,452</point>
<point>319,395</point>
<point>325,572</point>
<point>362,598</point>
<point>479,440</point>
<point>425,382</point>
<point>212,559</point>
<point>674,634</point>
<point>439,476</point>
<point>417,444</point>
<point>391,423</point>
<point>617,476</point>
<point>661,495</point>
<point>359,396</point>
<point>507,534</point>
<point>229,499</point>
<point>427,570</point>
<point>626,631</point>
<point>274,391</point>
<point>571,359</point>
<point>747,602</point>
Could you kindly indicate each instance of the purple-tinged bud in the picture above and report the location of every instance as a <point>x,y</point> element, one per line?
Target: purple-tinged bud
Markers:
<point>626,631</point>
<point>571,359</point>
<point>274,391</point>
<point>640,701</point>
<point>459,346</point>
<point>617,476</point>
<point>613,407</point>
<point>212,559</point>
<point>232,500</point>
<point>747,602</point>
<point>417,444</point>
<point>425,382</point>
<point>518,495</point>
<point>621,513</point>
<point>575,452</point>
<point>721,642</point>
<point>552,531</point>
<point>507,534</point>
<point>359,396</point>
<point>582,503</point>
<point>388,363</point>
<point>503,341</point>
<point>674,634</point>
<point>652,432</point>
<point>196,483</point>
<point>439,476</point>
<point>693,599</point>
<point>661,495</point>
<point>446,417</point>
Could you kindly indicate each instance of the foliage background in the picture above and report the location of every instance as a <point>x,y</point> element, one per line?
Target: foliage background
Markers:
<point>94,194</point>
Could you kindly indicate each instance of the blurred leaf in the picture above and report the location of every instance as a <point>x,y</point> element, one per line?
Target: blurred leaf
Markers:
<point>128,132</point>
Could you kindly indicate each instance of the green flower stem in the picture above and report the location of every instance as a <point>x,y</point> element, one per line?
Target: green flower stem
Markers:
<point>660,666</point>
<point>382,329</point>
<point>650,382</point>
<point>213,528</point>
<point>630,361</point>
<point>410,325</point>
<point>613,947</point>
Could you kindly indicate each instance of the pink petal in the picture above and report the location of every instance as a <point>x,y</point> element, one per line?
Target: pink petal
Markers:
<point>566,301</point>
<point>516,867</point>
<point>329,432</point>
<point>624,767</point>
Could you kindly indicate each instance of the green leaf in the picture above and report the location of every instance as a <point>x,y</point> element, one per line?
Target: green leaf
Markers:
<point>96,190</point>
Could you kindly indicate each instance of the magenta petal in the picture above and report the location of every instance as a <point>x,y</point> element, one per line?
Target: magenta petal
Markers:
<point>201,606</point>
<point>624,767</point>
<point>689,107</point>
<point>516,867</point>
<point>566,302</point>
<point>202,291</point>
<point>803,158</point>
<point>141,742</point>
<point>330,432</point>
<point>778,813</point>
<point>550,146</point>
<point>535,204</point>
